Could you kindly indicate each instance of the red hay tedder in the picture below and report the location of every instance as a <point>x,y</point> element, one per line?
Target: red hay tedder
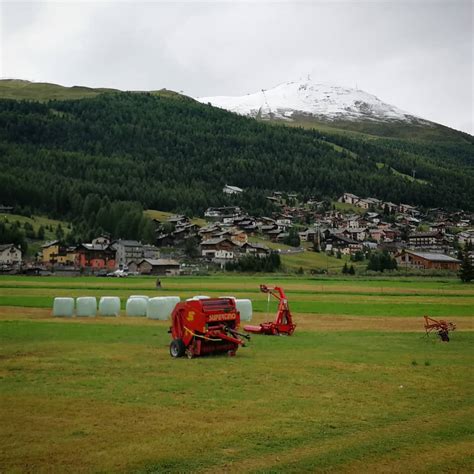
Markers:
<point>283,323</point>
<point>441,327</point>
<point>205,326</point>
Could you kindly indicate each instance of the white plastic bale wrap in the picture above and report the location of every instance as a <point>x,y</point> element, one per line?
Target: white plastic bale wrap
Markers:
<point>86,306</point>
<point>63,307</point>
<point>136,306</point>
<point>244,307</point>
<point>140,296</point>
<point>172,301</point>
<point>198,297</point>
<point>158,308</point>
<point>109,306</point>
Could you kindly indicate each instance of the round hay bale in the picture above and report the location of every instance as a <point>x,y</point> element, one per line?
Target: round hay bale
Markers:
<point>139,296</point>
<point>199,297</point>
<point>173,300</point>
<point>109,306</point>
<point>244,307</point>
<point>158,308</point>
<point>63,307</point>
<point>86,306</point>
<point>136,306</point>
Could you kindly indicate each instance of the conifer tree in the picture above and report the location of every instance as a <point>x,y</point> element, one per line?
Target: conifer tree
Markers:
<point>466,272</point>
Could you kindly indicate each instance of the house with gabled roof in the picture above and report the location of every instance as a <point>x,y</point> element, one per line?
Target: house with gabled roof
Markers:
<point>232,189</point>
<point>95,256</point>
<point>160,266</point>
<point>257,249</point>
<point>349,198</point>
<point>210,247</point>
<point>425,239</point>
<point>427,260</point>
<point>10,255</point>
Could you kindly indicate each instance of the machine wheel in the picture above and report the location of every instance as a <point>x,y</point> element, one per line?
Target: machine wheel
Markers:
<point>177,348</point>
<point>444,335</point>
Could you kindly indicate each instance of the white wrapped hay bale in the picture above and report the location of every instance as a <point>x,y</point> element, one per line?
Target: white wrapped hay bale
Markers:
<point>136,306</point>
<point>86,306</point>
<point>140,296</point>
<point>228,297</point>
<point>63,307</point>
<point>158,308</point>
<point>173,300</point>
<point>199,297</point>
<point>109,306</point>
<point>244,307</point>
<point>161,307</point>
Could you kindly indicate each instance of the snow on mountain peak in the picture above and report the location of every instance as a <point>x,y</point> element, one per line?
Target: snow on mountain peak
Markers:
<point>306,97</point>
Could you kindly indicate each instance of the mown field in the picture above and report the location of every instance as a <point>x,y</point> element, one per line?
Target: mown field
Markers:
<point>358,388</point>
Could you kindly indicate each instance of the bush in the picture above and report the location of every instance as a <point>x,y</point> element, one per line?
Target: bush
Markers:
<point>293,238</point>
<point>380,261</point>
<point>252,263</point>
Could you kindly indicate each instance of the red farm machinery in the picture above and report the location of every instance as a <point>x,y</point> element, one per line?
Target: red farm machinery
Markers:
<point>441,327</point>
<point>205,326</point>
<point>283,323</point>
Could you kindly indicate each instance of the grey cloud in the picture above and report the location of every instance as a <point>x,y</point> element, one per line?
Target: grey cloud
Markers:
<point>416,55</point>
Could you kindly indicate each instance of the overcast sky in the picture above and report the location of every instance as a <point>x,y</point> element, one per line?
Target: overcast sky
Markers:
<point>417,55</point>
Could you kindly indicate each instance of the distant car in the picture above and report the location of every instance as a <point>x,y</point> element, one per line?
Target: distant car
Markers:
<point>118,274</point>
<point>101,273</point>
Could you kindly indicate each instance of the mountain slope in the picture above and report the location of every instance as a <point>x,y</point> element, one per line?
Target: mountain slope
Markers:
<point>172,153</point>
<point>323,106</point>
<point>19,89</point>
<point>305,97</point>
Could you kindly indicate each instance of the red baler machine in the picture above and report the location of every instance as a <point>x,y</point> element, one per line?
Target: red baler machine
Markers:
<point>283,323</point>
<point>205,326</point>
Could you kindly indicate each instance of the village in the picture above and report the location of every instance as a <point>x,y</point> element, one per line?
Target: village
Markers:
<point>351,227</point>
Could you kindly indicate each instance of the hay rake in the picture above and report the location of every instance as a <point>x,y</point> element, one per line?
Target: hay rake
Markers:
<point>441,327</point>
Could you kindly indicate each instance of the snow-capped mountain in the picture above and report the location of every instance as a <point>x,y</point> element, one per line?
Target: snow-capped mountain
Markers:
<point>291,100</point>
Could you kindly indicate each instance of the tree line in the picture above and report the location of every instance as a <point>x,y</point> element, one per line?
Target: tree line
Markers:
<point>76,159</point>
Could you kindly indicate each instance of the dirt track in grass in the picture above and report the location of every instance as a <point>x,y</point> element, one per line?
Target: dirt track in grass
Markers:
<point>305,322</point>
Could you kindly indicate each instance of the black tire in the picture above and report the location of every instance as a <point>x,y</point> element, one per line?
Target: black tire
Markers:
<point>177,348</point>
<point>444,335</point>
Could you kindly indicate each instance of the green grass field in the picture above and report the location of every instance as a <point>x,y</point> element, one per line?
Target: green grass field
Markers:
<point>358,388</point>
<point>346,207</point>
<point>19,89</point>
<point>37,222</point>
<point>163,215</point>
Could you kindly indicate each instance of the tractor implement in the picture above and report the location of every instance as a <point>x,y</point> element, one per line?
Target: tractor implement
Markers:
<point>441,327</point>
<point>205,326</point>
<point>283,323</point>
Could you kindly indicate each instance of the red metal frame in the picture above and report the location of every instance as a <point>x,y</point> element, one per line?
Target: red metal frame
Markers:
<point>441,327</point>
<point>283,323</point>
<point>207,326</point>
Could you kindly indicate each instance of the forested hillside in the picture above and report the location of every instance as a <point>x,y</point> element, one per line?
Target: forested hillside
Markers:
<point>169,152</point>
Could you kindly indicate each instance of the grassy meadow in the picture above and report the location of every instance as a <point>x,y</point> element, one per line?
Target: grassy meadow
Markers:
<point>357,388</point>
